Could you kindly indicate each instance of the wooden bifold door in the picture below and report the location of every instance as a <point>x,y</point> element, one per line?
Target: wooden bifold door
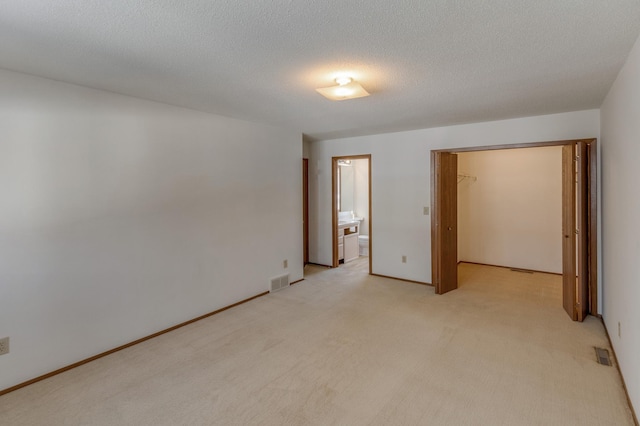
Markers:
<point>444,221</point>
<point>577,231</point>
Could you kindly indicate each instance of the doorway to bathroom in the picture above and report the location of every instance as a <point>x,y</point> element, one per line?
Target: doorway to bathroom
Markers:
<point>351,209</point>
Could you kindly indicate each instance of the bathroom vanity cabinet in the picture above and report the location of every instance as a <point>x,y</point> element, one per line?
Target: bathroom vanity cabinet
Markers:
<point>351,247</point>
<point>348,248</point>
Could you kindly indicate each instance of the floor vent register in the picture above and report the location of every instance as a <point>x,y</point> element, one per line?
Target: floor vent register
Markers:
<point>602,356</point>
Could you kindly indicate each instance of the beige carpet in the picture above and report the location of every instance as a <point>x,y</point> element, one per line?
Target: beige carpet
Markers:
<point>344,348</point>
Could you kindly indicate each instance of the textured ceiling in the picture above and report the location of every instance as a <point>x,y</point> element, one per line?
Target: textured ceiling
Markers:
<point>426,63</point>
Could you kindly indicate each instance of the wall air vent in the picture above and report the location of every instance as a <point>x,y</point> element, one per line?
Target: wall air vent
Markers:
<point>278,283</point>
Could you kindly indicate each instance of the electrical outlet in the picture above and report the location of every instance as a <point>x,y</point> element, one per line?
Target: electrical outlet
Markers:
<point>285,263</point>
<point>4,345</point>
<point>426,211</point>
<point>619,329</point>
<point>404,259</point>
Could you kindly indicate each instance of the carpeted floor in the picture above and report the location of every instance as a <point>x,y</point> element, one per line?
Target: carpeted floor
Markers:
<point>345,348</point>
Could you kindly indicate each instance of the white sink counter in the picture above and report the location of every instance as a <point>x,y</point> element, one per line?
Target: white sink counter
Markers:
<point>348,223</point>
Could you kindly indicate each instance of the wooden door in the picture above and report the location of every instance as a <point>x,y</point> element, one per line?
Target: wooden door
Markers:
<point>582,236</point>
<point>578,225</point>
<point>569,231</point>
<point>305,210</point>
<point>593,227</point>
<point>444,225</point>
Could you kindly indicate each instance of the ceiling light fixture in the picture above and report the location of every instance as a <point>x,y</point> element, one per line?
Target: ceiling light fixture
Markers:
<point>347,88</point>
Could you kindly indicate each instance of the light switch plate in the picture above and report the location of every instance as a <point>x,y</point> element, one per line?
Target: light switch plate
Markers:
<point>426,211</point>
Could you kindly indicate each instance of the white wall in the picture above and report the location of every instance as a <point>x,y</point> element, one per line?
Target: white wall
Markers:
<point>400,188</point>
<point>511,215</point>
<point>620,115</point>
<point>361,193</point>
<point>121,217</point>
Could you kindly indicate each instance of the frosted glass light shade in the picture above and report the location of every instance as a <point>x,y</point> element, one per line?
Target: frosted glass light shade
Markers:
<point>341,92</point>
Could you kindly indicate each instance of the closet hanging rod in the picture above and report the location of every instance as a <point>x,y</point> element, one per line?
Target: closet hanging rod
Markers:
<point>463,176</point>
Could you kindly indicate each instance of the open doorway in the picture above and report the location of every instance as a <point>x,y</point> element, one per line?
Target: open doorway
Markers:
<point>578,231</point>
<point>351,209</point>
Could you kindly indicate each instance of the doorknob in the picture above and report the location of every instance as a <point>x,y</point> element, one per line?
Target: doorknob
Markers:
<point>449,228</point>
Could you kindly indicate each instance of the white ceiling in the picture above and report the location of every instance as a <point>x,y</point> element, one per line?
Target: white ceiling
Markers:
<point>426,62</point>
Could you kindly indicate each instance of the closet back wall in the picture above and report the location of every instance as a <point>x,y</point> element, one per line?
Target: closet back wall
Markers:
<point>512,214</point>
